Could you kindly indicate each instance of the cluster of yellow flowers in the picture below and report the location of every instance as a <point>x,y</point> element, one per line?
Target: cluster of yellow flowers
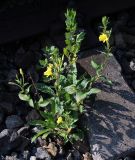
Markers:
<point>103,38</point>
<point>48,72</point>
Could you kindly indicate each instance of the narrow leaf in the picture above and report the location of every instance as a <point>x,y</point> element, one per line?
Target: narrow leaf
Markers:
<point>38,134</point>
<point>94,65</point>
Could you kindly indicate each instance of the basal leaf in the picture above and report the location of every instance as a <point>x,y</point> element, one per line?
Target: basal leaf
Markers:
<point>38,134</point>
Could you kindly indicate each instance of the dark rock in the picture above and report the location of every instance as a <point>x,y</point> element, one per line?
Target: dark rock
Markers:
<point>18,144</point>
<point>80,146</point>
<point>22,109</point>
<point>13,121</point>
<point>12,157</point>
<point>69,156</point>
<point>25,155</point>
<point>35,46</point>
<point>129,39</point>
<point>11,78</point>
<point>33,158</point>
<point>123,17</point>
<point>131,23</point>
<point>90,40</point>
<point>27,59</point>
<point>52,149</point>
<point>11,141</point>
<point>7,107</point>
<point>61,151</point>
<point>23,131</point>
<point>37,129</point>
<point>129,158</point>
<point>33,74</point>
<point>41,153</point>
<point>119,54</point>
<point>133,84</point>
<point>2,115</point>
<point>12,75</point>
<point>9,97</point>
<point>87,156</point>
<point>4,133</point>
<point>76,155</point>
<point>119,41</point>
<point>126,66</point>
<point>3,60</point>
<point>19,53</point>
<point>111,119</point>
<point>32,115</point>
<point>21,143</point>
<point>129,30</point>
<point>57,32</point>
<point>121,21</point>
<point>130,54</point>
<point>132,65</point>
<point>41,141</point>
<point>13,136</point>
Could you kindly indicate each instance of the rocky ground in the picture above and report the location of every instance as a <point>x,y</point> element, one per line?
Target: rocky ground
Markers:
<point>15,134</point>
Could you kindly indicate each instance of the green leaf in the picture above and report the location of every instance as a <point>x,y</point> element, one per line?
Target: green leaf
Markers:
<point>45,89</point>
<point>38,134</point>
<point>104,21</point>
<point>94,91</point>
<point>80,96</point>
<point>94,64</point>
<point>27,89</point>
<point>80,37</point>
<point>42,102</point>
<point>37,123</point>
<point>43,63</point>
<point>70,89</point>
<point>83,84</point>
<point>45,115</point>
<point>74,137</point>
<point>81,108</point>
<point>106,80</point>
<point>59,108</point>
<point>64,135</point>
<point>31,103</point>
<point>65,51</point>
<point>24,97</point>
<point>45,135</point>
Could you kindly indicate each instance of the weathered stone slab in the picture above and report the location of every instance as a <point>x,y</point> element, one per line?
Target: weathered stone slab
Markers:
<point>112,118</point>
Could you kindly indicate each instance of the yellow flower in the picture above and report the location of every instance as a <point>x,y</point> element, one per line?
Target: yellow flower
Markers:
<point>103,38</point>
<point>69,130</point>
<point>48,72</point>
<point>59,120</point>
